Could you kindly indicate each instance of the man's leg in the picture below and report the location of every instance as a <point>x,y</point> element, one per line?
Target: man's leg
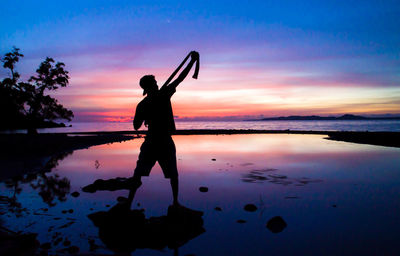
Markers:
<point>144,164</point>
<point>167,161</point>
<point>175,188</point>
<point>136,183</point>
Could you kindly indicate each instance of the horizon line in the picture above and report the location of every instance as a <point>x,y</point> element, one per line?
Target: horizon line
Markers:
<point>227,118</point>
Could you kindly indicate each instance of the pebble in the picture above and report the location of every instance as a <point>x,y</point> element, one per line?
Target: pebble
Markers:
<point>250,208</point>
<point>75,194</point>
<point>276,224</point>
<point>203,189</point>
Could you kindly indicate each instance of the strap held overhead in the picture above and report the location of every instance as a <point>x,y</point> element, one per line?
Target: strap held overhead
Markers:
<point>196,71</point>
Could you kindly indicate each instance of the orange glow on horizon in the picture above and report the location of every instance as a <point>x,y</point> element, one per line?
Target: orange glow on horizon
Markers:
<point>113,95</point>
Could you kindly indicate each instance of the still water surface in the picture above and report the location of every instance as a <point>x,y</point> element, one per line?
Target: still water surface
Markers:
<point>350,125</point>
<point>336,198</point>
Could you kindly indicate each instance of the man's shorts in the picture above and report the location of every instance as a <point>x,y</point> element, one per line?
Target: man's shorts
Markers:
<point>157,149</point>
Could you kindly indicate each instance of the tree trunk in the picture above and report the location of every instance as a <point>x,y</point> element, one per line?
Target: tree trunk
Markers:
<point>32,131</point>
<point>31,125</point>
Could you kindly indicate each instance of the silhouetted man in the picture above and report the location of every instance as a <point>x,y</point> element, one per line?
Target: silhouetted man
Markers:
<point>155,111</point>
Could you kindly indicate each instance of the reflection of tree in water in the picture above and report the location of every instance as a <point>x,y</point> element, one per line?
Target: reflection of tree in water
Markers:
<point>12,204</point>
<point>52,186</point>
<point>53,162</point>
<point>49,186</point>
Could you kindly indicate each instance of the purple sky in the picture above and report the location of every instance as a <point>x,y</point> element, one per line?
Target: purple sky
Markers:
<point>266,58</point>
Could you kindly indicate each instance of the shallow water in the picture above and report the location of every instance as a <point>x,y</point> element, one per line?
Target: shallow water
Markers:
<point>336,198</point>
<point>309,125</point>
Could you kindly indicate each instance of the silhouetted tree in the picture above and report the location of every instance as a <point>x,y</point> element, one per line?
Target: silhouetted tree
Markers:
<point>24,104</point>
<point>43,107</point>
<point>11,98</point>
<point>9,61</point>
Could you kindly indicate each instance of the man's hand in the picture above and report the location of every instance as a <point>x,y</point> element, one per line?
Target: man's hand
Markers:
<point>195,55</point>
<point>195,58</point>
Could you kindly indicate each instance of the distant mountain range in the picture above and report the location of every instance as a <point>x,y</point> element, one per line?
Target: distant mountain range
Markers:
<point>323,118</point>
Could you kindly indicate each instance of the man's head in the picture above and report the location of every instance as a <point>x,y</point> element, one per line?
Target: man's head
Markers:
<point>148,84</point>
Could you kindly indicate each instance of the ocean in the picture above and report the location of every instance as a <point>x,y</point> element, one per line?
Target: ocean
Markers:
<point>356,125</point>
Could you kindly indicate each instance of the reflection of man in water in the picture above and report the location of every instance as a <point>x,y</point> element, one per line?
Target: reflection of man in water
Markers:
<point>156,112</point>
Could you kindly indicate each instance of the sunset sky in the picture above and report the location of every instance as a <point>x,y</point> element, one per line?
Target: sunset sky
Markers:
<point>258,58</point>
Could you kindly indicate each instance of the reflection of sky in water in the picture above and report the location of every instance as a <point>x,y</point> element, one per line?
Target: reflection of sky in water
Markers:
<point>362,180</point>
<point>308,125</point>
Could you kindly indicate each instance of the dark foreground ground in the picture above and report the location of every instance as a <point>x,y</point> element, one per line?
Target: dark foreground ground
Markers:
<point>22,154</point>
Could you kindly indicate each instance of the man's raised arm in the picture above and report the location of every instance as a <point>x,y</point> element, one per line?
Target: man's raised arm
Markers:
<point>194,57</point>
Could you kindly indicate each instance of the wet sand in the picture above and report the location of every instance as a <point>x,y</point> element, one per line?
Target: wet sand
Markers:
<point>389,139</point>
